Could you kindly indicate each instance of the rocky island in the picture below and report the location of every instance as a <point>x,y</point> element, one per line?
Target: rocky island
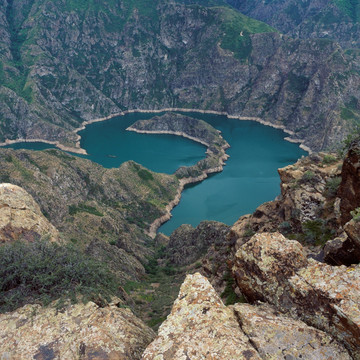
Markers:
<point>194,129</point>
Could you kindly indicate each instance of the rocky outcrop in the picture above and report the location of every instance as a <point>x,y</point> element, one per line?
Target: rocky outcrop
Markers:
<point>274,269</point>
<point>343,250</point>
<point>276,336</point>
<point>200,327</point>
<point>308,198</point>
<point>188,244</point>
<point>21,217</point>
<point>349,190</point>
<point>75,332</point>
<point>189,127</point>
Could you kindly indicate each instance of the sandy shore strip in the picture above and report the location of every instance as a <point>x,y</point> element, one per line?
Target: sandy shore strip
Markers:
<point>76,150</point>
<point>168,132</point>
<point>237,117</point>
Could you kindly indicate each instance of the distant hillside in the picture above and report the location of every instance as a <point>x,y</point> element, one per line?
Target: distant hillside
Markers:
<point>65,62</point>
<point>331,19</point>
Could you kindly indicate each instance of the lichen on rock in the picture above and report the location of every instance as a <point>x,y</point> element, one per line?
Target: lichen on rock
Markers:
<point>76,332</point>
<point>200,327</point>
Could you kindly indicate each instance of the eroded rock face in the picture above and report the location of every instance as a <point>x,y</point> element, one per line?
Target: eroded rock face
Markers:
<point>308,193</point>
<point>78,332</point>
<point>187,244</point>
<point>200,327</point>
<point>273,269</point>
<point>276,336</point>
<point>20,216</point>
<point>350,185</point>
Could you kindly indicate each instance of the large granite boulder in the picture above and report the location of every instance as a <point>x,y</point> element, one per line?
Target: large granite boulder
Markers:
<point>200,327</point>
<point>77,332</point>
<point>21,217</point>
<point>274,269</point>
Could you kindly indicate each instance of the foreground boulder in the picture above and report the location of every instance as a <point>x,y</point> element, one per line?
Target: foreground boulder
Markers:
<point>76,332</point>
<point>20,216</point>
<point>274,269</point>
<point>200,327</point>
<point>276,336</point>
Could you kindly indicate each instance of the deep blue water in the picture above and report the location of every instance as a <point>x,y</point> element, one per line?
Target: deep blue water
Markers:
<point>249,178</point>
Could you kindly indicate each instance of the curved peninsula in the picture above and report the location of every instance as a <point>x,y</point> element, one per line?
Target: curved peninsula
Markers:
<point>194,129</point>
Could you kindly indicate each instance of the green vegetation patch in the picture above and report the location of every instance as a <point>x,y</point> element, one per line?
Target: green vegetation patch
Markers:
<point>316,232</point>
<point>229,294</point>
<point>41,272</point>
<point>237,29</point>
<point>74,209</point>
<point>349,7</point>
<point>332,186</point>
<point>356,214</point>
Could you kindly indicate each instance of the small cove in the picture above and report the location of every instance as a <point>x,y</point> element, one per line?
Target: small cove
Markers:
<point>249,177</point>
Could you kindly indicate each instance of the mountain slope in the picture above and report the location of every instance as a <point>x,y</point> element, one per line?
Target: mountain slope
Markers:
<point>66,62</point>
<point>331,19</point>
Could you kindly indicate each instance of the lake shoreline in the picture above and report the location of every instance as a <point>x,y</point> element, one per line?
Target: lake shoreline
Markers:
<point>154,226</point>
<point>78,150</point>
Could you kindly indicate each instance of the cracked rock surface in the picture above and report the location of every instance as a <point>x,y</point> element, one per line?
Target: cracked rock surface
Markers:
<point>77,332</point>
<point>20,216</point>
<point>274,269</point>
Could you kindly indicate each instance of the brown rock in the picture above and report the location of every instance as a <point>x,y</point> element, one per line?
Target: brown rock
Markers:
<point>264,262</point>
<point>20,216</point>
<point>78,332</point>
<point>273,269</point>
<point>200,327</point>
<point>276,336</point>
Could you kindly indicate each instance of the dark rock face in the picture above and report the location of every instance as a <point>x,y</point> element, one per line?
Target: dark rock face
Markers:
<point>188,244</point>
<point>79,64</point>
<point>349,190</point>
<point>342,251</point>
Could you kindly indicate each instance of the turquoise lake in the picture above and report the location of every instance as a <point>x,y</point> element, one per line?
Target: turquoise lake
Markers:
<point>249,178</point>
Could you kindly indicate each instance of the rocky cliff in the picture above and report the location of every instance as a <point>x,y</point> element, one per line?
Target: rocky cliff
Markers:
<point>276,270</point>
<point>65,63</point>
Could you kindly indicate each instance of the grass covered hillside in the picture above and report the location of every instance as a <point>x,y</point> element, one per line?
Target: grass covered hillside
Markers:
<point>106,212</point>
